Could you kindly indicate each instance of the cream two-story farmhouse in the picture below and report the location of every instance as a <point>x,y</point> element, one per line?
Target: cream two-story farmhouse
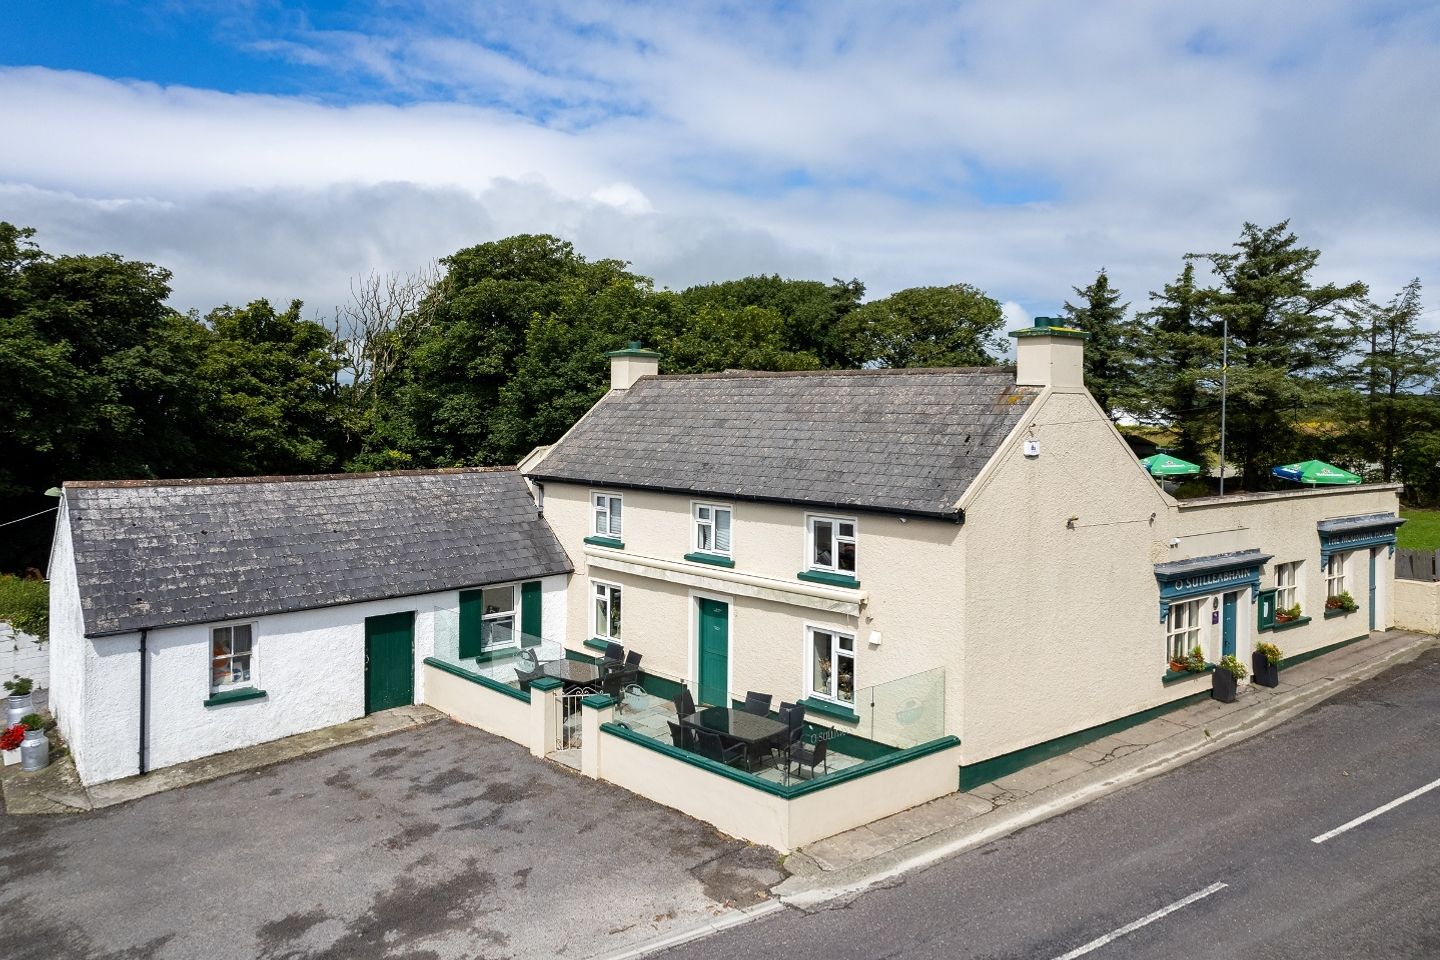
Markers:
<point>956,573</point>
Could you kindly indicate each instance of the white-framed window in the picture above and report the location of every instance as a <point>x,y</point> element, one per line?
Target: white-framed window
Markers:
<point>606,606</point>
<point>1183,629</point>
<point>832,545</point>
<point>607,508</point>
<point>497,620</point>
<point>1287,585</point>
<point>832,665</point>
<point>1335,574</point>
<point>712,529</point>
<point>232,657</point>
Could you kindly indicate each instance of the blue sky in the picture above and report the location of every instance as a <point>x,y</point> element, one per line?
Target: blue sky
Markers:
<point>278,149</point>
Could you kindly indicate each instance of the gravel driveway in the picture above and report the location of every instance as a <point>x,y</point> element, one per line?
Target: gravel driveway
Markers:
<point>436,843</point>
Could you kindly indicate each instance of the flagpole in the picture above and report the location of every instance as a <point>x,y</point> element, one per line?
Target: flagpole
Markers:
<point>1224,387</point>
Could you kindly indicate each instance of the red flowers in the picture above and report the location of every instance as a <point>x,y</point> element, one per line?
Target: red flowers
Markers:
<point>10,739</point>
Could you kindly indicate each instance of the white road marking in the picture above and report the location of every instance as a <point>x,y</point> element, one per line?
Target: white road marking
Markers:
<point>1376,812</point>
<point>1099,942</point>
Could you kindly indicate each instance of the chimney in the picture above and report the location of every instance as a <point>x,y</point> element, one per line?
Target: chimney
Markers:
<point>1050,354</point>
<point>630,364</point>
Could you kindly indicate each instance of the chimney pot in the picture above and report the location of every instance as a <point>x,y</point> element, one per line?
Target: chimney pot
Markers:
<point>630,364</point>
<point>1050,354</point>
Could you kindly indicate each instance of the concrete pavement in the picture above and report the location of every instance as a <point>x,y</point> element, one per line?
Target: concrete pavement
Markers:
<point>1213,859</point>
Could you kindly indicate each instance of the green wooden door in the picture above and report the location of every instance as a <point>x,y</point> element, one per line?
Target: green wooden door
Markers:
<point>389,661</point>
<point>714,652</point>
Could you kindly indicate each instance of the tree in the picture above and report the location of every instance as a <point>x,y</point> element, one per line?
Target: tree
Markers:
<point>952,326</point>
<point>715,338</point>
<point>812,314</point>
<point>1109,353</point>
<point>1173,356</point>
<point>1401,362</point>
<point>1286,342</point>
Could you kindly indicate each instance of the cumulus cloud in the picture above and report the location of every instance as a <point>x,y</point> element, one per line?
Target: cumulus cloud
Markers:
<point>1016,146</point>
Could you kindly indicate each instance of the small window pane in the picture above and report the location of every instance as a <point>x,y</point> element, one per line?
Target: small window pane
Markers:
<point>702,513</point>
<point>602,613</point>
<point>824,545</point>
<point>615,613</point>
<point>614,516</point>
<point>820,666</point>
<point>722,530</point>
<point>846,643</point>
<point>705,536</point>
<point>847,557</point>
<point>847,529</point>
<point>498,599</point>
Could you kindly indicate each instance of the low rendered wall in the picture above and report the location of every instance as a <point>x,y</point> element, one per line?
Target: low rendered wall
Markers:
<point>480,706</point>
<point>1417,606</point>
<point>844,806</point>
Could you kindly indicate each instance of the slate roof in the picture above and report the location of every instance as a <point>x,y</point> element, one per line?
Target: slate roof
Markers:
<point>905,441</point>
<point>165,553</point>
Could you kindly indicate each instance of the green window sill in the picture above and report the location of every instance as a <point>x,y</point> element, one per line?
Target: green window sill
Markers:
<point>234,696</point>
<point>828,708</point>
<point>614,543</point>
<point>1288,624</point>
<point>711,558</point>
<point>829,579</point>
<point>1172,675</point>
<point>1332,614</point>
<point>596,643</point>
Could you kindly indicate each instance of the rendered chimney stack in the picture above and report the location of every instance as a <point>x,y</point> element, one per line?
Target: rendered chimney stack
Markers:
<point>630,364</point>
<point>1050,354</point>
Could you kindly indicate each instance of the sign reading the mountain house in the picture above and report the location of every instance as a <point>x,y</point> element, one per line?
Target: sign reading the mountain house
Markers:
<point>1353,533</point>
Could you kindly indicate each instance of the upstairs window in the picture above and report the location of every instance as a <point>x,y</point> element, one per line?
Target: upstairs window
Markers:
<point>832,545</point>
<point>607,515</point>
<point>231,657</point>
<point>712,529</point>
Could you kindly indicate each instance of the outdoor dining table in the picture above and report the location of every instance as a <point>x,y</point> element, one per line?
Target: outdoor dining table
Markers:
<point>573,673</point>
<point>753,730</point>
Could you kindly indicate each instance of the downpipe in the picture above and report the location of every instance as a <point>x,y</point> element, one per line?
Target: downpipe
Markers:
<point>144,698</point>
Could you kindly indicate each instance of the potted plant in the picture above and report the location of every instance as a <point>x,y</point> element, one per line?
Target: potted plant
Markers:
<point>10,744</point>
<point>1342,601</point>
<point>1177,664</point>
<point>1195,663</point>
<point>34,748</point>
<point>1266,662</point>
<point>1228,673</point>
<point>1288,614</point>
<point>20,702</point>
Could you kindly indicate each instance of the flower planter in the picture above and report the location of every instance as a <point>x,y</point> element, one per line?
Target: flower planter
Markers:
<point>1264,673</point>
<point>17,707</point>
<point>1222,686</point>
<point>34,751</point>
<point>10,756</point>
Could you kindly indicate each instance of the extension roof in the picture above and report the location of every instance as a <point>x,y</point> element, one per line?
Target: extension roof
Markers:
<point>904,441</point>
<point>166,553</point>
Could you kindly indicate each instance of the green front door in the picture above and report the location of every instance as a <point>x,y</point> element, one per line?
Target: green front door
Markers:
<point>389,661</point>
<point>714,652</point>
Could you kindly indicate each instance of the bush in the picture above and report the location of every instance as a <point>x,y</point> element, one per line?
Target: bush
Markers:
<point>19,686</point>
<point>1269,651</point>
<point>25,605</point>
<point>1191,489</point>
<point>32,721</point>
<point>1234,667</point>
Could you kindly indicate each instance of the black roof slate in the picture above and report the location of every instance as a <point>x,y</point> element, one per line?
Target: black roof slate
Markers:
<point>905,441</point>
<point>166,553</point>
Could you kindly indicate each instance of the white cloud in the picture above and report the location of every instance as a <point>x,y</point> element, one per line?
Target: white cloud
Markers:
<point>1016,146</point>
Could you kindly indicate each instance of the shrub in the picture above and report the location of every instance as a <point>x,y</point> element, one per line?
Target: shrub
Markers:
<point>19,686</point>
<point>1269,651</point>
<point>1234,667</point>
<point>1195,663</point>
<point>25,604</point>
<point>32,721</point>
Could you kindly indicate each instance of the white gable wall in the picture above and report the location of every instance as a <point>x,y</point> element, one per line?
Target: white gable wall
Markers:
<point>67,635</point>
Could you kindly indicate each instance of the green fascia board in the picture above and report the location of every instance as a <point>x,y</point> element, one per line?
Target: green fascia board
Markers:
<point>546,683</point>
<point>610,542</point>
<point>829,579</point>
<point>711,558</point>
<point>1288,624</point>
<point>595,643</point>
<point>828,709</point>
<point>1070,332</point>
<point>598,701</point>
<point>975,774</point>
<point>483,681</point>
<point>1312,654</point>
<point>1172,675</point>
<point>1338,612</point>
<point>775,789</point>
<point>234,696</point>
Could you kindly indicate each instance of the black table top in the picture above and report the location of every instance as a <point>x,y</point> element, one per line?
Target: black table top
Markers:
<point>572,671</point>
<point>736,724</point>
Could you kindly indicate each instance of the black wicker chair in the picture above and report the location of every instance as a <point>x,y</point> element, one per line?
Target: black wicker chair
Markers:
<point>757,703</point>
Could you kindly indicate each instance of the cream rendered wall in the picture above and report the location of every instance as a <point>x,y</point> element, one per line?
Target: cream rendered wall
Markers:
<point>478,706</point>
<point>909,570</point>
<point>1416,606</point>
<point>1061,584</point>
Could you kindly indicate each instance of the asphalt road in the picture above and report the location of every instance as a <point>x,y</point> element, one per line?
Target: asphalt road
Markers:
<point>1243,817</point>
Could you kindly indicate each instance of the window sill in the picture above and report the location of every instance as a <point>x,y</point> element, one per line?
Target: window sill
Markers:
<point>613,543</point>
<point>1173,675</point>
<point>597,643</point>
<point>829,579</point>
<point>234,696</point>
<point>1287,625</point>
<point>1339,612</point>
<point>831,709</point>
<point>714,559</point>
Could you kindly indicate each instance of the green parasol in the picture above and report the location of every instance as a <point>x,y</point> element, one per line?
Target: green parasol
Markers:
<point>1315,472</point>
<point>1164,465</point>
